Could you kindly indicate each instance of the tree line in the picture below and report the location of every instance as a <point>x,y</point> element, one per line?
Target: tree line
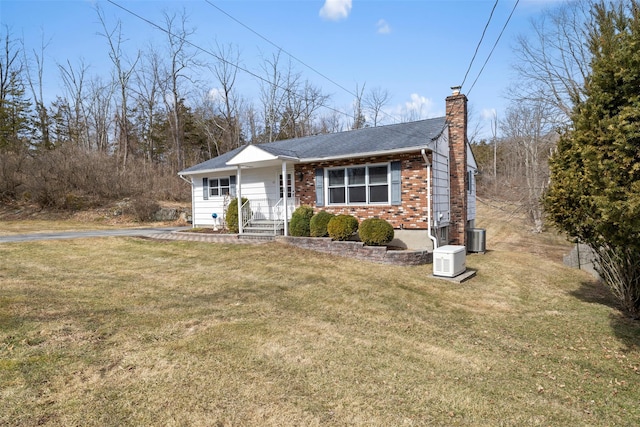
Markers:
<point>569,151</point>
<point>551,66</point>
<point>156,109</point>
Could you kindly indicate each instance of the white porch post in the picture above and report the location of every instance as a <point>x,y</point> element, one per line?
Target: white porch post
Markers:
<point>285,192</point>
<point>239,195</point>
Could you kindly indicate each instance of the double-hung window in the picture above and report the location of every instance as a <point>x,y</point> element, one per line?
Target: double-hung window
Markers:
<point>359,185</point>
<point>219,187</point>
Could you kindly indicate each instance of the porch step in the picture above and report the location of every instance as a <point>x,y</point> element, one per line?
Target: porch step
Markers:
<point>263,228</point>
<point>256,236</point>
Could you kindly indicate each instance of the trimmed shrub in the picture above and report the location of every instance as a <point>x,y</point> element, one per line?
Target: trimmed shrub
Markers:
<point>342,227</point>
<point>231,215</point>
<point>318,224</point>
<point>301,221</point>
<point>375,232</point>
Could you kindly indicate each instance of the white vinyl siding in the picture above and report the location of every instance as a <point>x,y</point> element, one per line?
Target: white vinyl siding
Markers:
<point>441,189</point>
<point>257,184</point>
<point>471,194</point>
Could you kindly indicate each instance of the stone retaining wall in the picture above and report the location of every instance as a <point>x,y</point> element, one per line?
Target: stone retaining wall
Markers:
<point>582,257</point>
<point>357,250</point>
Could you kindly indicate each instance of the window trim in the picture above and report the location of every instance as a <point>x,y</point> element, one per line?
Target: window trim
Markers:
<point>230,187</point>
<point>291,192</point>
<point>367,185</point>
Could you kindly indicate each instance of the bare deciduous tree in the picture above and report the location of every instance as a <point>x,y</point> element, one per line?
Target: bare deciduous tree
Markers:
<point>226,116</point>
<point>553,63</point>
<point>528,130</point>
<point>123,70</point>
<point>359,119</point>
<point>148,92</point>
<point>42,120</point>
<point>182,62</point>
<point>99,113</point>
<point>374,101</point>
<point>272,97</point>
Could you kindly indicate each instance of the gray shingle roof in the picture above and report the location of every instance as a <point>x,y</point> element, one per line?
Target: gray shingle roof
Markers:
<point>356,143</point>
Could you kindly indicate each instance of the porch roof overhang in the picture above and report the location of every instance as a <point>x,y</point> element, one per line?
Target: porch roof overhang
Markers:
<point>254,156</point>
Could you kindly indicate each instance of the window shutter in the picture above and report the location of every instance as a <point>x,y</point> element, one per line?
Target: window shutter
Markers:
<point>232,186</point>
<point>205,188</point>
<point>319,187</point>
<point>396,191</point>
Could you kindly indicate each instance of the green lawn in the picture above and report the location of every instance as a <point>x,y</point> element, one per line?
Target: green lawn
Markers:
<point>125,331</point>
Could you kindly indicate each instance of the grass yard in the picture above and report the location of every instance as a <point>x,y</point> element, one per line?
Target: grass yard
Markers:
<point>126,331</point>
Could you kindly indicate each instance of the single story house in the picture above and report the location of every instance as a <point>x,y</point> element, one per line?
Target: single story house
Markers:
<point>419,176</point>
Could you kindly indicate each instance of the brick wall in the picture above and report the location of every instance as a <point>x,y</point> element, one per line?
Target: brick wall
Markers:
<point>411,214</point>
<point>457,121</point>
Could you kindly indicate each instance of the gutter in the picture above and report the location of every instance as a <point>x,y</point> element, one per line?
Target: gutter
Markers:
<point>404,150</point>
<point>429,198</point>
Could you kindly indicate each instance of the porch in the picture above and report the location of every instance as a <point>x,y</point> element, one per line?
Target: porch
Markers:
<point>264,218</point>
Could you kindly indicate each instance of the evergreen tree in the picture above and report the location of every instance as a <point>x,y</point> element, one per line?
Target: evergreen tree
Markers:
<point>594,194</point>
<point>14,106</point>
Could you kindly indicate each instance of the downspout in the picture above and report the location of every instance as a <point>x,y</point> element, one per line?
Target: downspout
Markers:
<point>429,199</point>
<point>193,189</point>
<point>239,195</point>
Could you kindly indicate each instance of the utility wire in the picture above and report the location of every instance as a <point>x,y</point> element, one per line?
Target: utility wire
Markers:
<point>279,48</point>
<point>384,113</point>
<point>494,46</point>
<point>208,52</point>
<point>479,43</point>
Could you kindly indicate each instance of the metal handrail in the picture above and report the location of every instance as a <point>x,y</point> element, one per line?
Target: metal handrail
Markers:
<point>247,213</point>
<point>269,209</point>
<point>277,214</point>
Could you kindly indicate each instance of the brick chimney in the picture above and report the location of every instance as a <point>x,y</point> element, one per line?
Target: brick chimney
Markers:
<point>456,105</point>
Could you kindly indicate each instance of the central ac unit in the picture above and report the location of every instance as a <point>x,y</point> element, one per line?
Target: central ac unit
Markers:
<point>449,261</point>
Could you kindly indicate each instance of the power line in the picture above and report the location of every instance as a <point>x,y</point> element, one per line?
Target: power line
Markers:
<point>494,46</point>
<point>208,52</point>
<point>384,113</point>
<point>479,43</point>
<point>280,48</point>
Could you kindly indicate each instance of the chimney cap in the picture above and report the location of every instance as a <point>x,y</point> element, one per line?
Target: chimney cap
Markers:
<point>456,90</point>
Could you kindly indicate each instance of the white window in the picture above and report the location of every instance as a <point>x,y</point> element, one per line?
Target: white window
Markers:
<point>219,186</point>
<point>289,185</point>
<point>358,185</point>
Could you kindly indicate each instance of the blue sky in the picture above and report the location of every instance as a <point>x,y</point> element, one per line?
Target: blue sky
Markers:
<point>414,49</point>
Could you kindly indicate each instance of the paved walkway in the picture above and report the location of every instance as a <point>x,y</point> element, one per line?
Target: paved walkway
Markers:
<point>161,233</point>
<point>57,235</point>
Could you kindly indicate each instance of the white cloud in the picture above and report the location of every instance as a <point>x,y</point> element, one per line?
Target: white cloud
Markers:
<point>216,95</point>
<point>488,113</point>
<point>335,10</point>
<point>383,27</point>
<point>418,107</point>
